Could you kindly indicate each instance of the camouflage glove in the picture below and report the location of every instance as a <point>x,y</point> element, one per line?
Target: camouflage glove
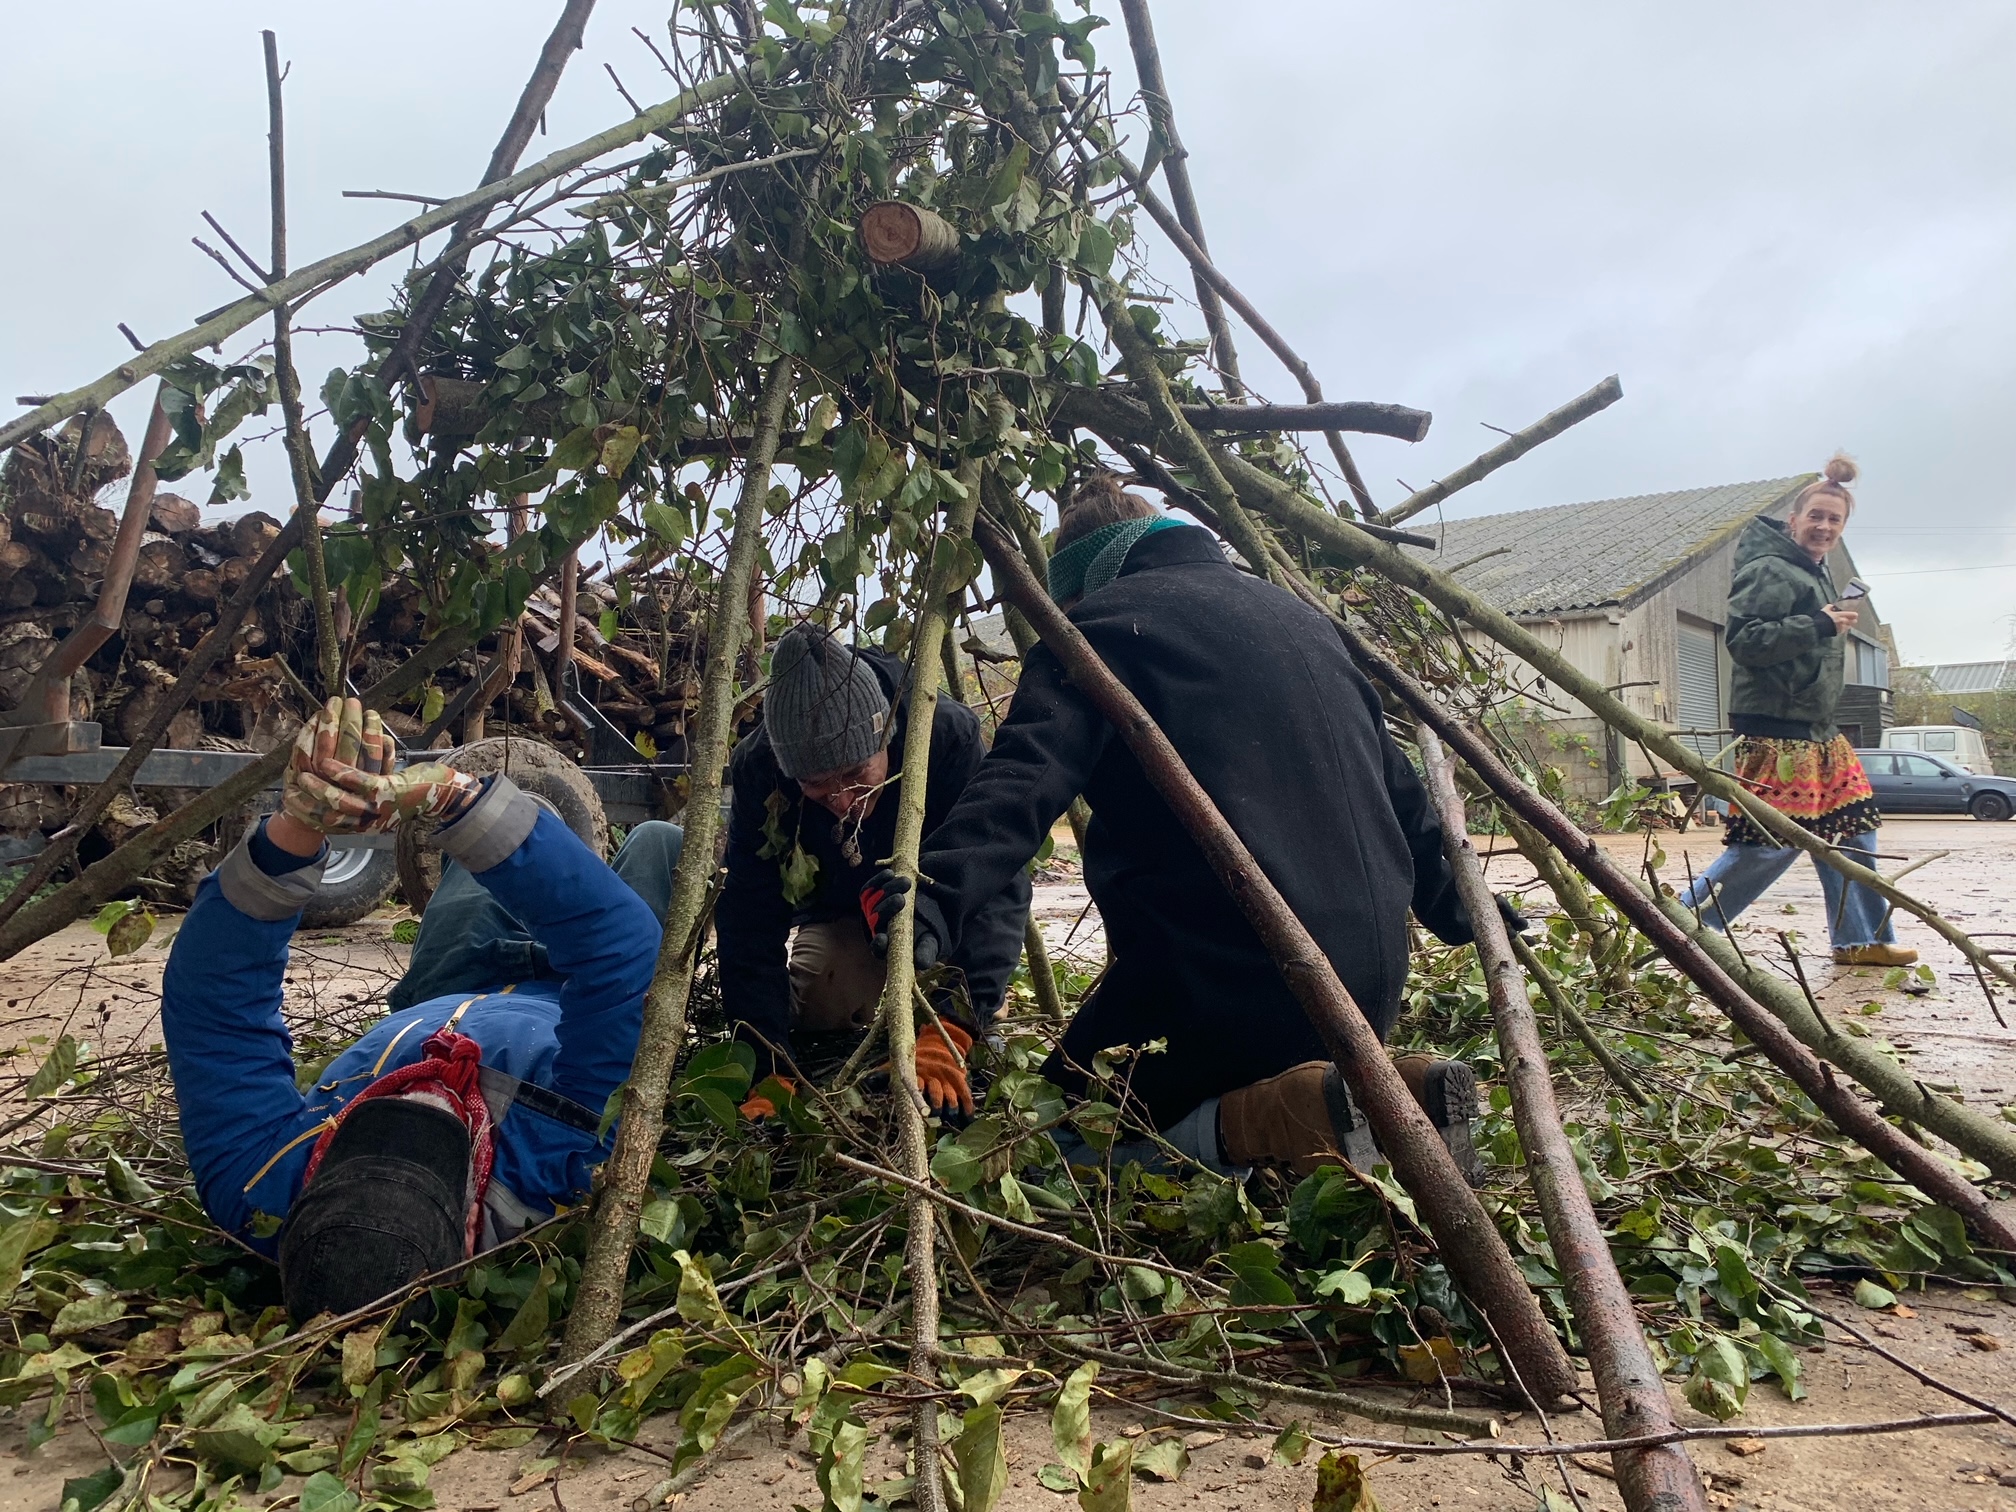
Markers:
<point>341,739</point>
<point>431,792</point>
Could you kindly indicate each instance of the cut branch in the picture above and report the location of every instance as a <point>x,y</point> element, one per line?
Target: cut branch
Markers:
<point>1515,446</point>
<point>1628,1382</point>
<point>301,460</point>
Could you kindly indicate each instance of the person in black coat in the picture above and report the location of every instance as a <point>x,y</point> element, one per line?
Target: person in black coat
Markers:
<point>813,816</point>
<point>1270,714</point>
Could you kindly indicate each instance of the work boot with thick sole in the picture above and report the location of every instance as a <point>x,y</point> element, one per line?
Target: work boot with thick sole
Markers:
<point>1302,1119</point>
<point>1875,955</point>
<point>1447,1093</point>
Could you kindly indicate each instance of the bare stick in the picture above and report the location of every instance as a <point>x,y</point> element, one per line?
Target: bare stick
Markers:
<point>328,650</point>
<point>1515,446</point>
<point>329,271</point>
<point>1433,1419</point>
<point>1468,1240</point>
<point>1628,1382</point>
<point>925,1191</point>
<point>898,1020</point>
<point>1167,151</point>
<point>1916,1372</point>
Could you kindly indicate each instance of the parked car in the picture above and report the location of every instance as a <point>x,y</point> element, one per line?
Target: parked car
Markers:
<point>1909,782</point>
<point>1961,746</point>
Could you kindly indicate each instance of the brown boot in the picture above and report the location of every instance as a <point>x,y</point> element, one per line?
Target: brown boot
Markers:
<point>1303,1118</point>
<point>1875,955</point>
<point>1447,1093</point>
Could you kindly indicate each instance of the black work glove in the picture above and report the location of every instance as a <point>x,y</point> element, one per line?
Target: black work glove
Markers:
<point>1515,922</point>
<point>883,897</point>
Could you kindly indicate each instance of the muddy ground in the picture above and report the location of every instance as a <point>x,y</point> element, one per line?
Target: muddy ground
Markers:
<point>67,984</point>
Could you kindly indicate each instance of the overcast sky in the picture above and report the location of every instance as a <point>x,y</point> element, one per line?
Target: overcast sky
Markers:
<point>1788,227</point>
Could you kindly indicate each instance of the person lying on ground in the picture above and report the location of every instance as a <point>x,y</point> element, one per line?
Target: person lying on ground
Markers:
<point>1788,637</point>
<point>1266,708</point>
<point>467,1115</point>
<point>816,787</point>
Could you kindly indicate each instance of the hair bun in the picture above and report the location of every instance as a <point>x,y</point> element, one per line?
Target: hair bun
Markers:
<point>1841,469</point>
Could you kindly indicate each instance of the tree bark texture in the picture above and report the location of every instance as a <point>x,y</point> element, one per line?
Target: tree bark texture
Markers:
<point>1924,1169</point>
<point>1296,513</point>
<point>598,1299</point>
<point>1468,1241</point>
<point>1628,1383</point>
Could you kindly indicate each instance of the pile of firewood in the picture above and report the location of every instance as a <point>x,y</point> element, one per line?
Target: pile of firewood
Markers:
<point>56,538</point>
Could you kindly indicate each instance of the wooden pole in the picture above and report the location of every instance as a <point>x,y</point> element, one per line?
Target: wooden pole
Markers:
<point>1628,1383</point>
<point>1464,1234</point>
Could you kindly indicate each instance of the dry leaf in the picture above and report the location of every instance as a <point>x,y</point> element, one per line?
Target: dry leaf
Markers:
<point>1984,1341</point>
<point>1745,1446</point>
<point>1431,1362</point>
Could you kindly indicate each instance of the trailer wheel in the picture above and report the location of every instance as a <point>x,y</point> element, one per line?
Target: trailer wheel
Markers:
<point>355,881</point>
<point>537,768</point>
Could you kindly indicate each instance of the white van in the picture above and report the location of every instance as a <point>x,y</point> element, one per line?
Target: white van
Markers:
<point>1955,743</point>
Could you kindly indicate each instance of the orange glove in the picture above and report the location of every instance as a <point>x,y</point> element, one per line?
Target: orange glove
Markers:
<point>758,1106</point>
<point>941,1068</point>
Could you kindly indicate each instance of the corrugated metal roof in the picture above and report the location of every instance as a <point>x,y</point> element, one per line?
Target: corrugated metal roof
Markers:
<point>1585,556</point>
<point>1970,677</point>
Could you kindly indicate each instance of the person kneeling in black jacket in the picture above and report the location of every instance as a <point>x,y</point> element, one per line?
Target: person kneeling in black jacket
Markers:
<point>1268,711</point>
<point>813,818</point>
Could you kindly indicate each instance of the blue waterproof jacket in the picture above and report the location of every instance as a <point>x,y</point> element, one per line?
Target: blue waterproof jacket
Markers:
<point>246,1127</point>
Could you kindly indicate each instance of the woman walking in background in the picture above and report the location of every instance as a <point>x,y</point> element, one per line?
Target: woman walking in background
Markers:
<point>1787,638</point>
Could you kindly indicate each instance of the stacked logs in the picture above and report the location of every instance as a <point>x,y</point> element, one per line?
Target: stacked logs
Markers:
<point>55,540</point>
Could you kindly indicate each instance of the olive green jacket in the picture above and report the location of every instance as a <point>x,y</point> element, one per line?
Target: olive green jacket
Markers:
<point>1787,652</point>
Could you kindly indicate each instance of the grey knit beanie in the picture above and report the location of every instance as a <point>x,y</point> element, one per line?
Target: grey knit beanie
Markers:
<point>825,706</point>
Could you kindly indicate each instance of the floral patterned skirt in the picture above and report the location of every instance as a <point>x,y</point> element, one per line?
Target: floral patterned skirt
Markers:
<point>1819,783</point>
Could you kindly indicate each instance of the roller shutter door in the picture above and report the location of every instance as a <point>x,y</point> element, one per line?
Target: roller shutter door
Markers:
<point>1698,701</point>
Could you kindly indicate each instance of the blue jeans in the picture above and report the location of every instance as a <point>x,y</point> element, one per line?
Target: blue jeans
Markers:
<point>1194,1134</point>
<point>1739,876</point>
<point>468,942</point>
